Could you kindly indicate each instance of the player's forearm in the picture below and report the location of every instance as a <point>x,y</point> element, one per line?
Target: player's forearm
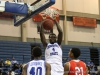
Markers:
<point>41,29</point>
<point>48,73</point>
<point>42,33</point>
<point>42,37</point>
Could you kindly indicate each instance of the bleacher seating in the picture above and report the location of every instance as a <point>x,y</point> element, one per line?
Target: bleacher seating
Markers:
<point>85,53</point>
<point>22,51</point>
<point>9,49</point>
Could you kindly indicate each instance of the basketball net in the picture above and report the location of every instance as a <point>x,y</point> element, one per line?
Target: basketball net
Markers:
<point>49,12</point>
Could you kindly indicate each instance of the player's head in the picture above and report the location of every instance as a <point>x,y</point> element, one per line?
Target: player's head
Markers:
<point>52,38</point>
<point>90,60</point>
<point>37,52</point>
<point>74,53</point>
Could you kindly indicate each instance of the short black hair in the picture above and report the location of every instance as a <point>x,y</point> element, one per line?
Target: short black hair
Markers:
<point>51,34</point>
<point>76,52</point>
<point>36,51</point>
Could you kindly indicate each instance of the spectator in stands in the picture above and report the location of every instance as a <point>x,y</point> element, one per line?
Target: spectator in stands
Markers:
<point>0,71</point>
<point>91,68</point>
<point>88,71</point>
<point>1,63</point>
<point>11,72</point>
<point>7,63</point>
<point>18,70</point>
<point>13,61</point>
<point>90,64</point>
<point>20,67</point>
<point>15,67</point>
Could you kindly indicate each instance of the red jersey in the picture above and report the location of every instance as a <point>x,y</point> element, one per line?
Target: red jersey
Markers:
<point>77,67</point>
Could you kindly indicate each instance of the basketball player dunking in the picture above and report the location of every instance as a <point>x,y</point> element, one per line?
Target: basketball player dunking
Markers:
<point>53,51</point>
<point>37,66</point>
<point>75,66</point>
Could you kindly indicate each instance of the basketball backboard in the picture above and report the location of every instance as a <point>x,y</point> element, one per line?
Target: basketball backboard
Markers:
<point>37,7</point>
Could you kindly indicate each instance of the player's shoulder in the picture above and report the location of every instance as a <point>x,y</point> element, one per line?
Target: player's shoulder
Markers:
<point>67,64</point>
<point>82,61</point>
<point>25,65</point>
<point>48,44</point>
<point>42,60</point>
<point>57,44</point>
<point>76,61</point>
<point>47,65</point>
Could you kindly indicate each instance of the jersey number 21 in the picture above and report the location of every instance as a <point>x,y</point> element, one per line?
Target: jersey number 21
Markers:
<point>79,71</point>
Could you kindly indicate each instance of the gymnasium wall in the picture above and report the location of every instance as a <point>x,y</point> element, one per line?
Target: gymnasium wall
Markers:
<point>83,6</point>
<point>7,29</point>
<point>73,7</point>
<point>83,34</point>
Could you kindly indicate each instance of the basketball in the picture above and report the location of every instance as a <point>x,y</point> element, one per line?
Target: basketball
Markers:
<point>47,24</point>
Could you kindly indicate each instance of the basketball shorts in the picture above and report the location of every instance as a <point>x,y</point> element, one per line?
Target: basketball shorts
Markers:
<point>57,69</point>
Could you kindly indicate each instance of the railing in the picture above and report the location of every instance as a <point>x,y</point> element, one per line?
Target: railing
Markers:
<point>65,59</point>
<point>96,61</point>
<point>10,55</point>
<point>24,57</point>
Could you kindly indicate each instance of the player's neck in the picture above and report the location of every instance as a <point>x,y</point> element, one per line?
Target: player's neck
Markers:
<point>37,58</point>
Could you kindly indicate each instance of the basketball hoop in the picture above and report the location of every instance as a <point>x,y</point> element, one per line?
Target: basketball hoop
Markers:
<point>49,12</point>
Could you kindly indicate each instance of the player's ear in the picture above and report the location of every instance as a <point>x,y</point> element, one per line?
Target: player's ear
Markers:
<point>71,54</point>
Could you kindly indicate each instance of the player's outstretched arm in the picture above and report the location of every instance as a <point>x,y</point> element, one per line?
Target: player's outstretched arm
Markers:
<point>48,69</point>
<point>60,32</point>
<point>42,36</point>
<point>24,70</point>
<point>66,68</point>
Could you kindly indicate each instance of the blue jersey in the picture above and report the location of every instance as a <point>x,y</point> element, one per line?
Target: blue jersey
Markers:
<point>36,67</point>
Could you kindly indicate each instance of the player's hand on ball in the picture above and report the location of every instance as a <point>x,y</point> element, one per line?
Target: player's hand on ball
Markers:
<point>44,17</point>
<point>54,17</point>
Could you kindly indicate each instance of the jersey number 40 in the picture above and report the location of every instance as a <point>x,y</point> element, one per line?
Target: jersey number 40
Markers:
<point>38,71</point>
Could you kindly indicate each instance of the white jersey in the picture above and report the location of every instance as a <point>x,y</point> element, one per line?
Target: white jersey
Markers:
<point>53,54</point>
<point>36,67</point>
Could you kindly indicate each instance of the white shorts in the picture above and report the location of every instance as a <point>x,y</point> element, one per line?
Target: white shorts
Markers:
<point>56,69</point>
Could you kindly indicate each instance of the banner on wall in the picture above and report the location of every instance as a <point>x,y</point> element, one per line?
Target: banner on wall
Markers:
<point>6,16</point>
<point>85,22</point>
